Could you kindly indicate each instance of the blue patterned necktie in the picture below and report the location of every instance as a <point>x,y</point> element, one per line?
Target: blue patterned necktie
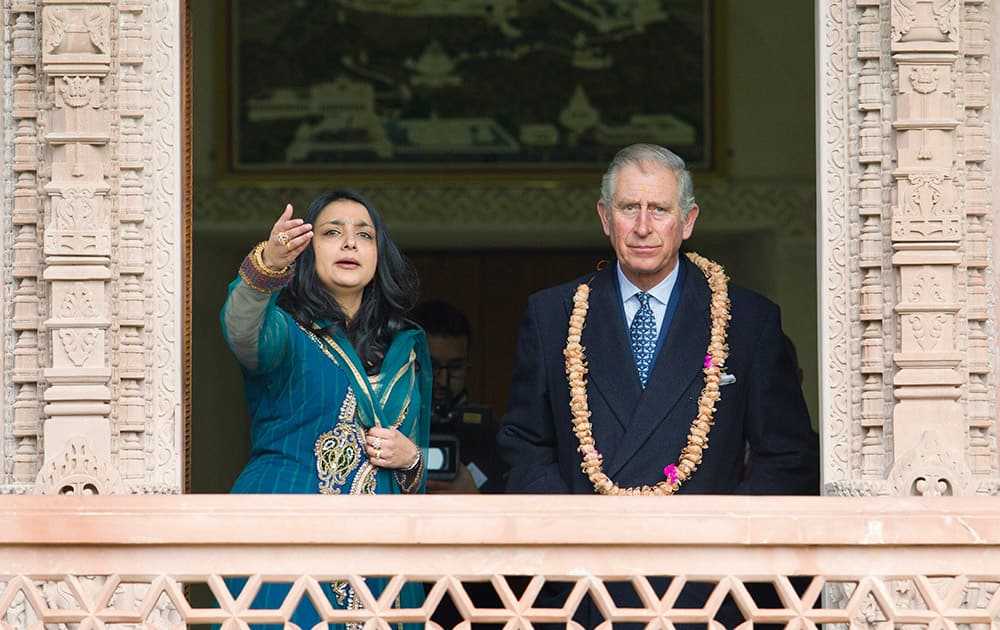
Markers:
<point>642,334</point>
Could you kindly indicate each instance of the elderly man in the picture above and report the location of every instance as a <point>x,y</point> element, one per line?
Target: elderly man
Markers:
<point>653,374</point>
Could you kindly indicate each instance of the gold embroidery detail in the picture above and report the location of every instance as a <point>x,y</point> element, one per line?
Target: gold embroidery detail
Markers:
<point>344,595</point>
<point>341,592</point>
<point>365,480</point>
<point>338,452</point>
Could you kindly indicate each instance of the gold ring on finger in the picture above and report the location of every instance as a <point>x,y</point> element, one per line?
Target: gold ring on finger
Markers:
<point>378,453</point>
<point>283,238</point>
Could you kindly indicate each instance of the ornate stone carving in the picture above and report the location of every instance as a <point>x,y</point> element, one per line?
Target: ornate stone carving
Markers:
<point>77,344</point>
<point>837,125</point>
<point>153,30</point>
<point>79,470</point>
<point>104,74</point>
<point>76,30</point>
<point>930,469</point>
<point>927,329</point>
<point>980,394</point>
<point>936,239</point>
<point>78,301</point>
<point>20,448</point>
<point>25,432</point>
<point>848,488</point>
<point>924,24</point>
<point>415,211</point>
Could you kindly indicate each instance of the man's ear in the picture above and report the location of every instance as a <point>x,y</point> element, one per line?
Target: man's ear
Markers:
<point>692,216</point>
<point>605,214</point>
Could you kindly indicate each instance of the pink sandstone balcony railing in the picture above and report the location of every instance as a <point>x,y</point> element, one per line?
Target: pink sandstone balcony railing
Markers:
<point>124,561</point>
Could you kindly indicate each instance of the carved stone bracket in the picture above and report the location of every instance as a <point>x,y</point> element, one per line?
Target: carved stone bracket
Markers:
<point>930,469</point>
<point>79,470</point>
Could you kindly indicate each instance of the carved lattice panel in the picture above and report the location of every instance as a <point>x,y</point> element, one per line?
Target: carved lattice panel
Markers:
<point>858,601</point>
<point>109,561</point>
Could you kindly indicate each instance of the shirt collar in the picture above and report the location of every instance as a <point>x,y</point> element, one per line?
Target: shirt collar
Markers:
<point>661,292</point>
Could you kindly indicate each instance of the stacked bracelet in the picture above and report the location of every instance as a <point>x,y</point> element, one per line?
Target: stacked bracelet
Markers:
<point>416,470</point>
<point>259,276</point>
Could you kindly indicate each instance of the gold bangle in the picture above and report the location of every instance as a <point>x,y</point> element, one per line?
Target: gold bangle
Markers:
<point>257,257</point>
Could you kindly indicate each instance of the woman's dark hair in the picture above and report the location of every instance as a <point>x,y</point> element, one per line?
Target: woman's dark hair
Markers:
<point>385,302</point>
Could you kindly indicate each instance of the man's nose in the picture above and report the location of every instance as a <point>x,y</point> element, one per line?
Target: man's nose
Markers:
<point>643,222</point>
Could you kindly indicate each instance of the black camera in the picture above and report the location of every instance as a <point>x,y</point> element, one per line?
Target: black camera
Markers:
<point>442,457</point>
<point>444,452</point>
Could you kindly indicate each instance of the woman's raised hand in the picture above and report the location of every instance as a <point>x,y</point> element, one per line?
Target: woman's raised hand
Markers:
<point>289,237</point>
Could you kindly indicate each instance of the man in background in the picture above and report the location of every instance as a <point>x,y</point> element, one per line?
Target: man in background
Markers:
<point>455,421</point>
<point>454,416</point>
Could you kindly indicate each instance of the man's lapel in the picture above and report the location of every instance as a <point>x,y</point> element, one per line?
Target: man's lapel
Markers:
<point>680,361</point>
<point>609,354</point>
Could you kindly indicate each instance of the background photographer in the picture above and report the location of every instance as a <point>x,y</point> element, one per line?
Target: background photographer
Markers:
<point>479,467</point>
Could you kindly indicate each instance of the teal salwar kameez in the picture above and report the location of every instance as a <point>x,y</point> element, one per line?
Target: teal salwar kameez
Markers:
<point>312,403</point>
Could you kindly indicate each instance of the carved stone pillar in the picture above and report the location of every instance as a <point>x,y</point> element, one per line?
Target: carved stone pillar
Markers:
<point>76,62</point>
<point>95,235</point>
<point>910,398</point>
<point>23,460</point>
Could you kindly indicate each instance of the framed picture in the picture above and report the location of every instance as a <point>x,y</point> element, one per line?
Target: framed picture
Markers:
<point>419,86</point>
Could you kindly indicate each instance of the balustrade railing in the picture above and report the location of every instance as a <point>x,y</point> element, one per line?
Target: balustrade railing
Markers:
<point>161,561</point>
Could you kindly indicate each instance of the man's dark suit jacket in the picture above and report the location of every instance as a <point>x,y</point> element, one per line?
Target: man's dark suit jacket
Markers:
<point>640,431</point>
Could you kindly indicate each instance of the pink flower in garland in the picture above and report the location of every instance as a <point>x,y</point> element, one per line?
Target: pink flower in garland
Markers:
<point>708,360</point>
<point>670,472</point>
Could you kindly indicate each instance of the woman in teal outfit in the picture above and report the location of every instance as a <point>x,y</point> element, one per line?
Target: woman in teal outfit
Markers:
<point>337,379</point>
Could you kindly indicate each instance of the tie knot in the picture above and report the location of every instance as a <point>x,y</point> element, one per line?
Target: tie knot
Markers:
<point>643,298</point>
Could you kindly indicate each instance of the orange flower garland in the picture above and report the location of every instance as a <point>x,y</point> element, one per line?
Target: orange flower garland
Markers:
<point>697,442</point>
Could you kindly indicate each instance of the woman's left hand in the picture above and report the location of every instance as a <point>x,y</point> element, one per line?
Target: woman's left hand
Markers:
<point>388,448</point>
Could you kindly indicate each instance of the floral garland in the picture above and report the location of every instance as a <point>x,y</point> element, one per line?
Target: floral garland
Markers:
<point>697,442</point>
